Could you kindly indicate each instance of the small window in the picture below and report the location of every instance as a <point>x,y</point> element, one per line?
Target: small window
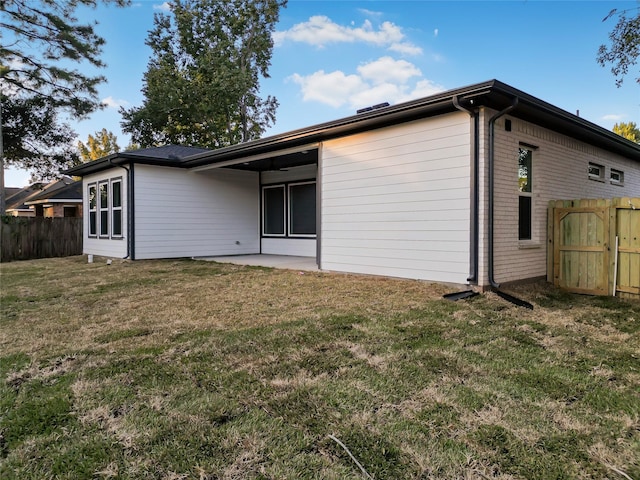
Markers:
<point>103,189</point>
<point>596,172</point>
<point>617,177</point>
<point>273,210</point>
<point>302,209</point>
<point>116,208</point>
<point>525,187</point>
<point>93,212</point>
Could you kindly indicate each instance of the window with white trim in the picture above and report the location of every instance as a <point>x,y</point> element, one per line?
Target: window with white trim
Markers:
<point>289,210</point>
<point>616,177</point>
<point>596,171</point>
<point>103,203</point>
<point>93,211</point>
<point>302,209</point>
<point>116,208</point>
<point>273,211</point>
<point>525,197</point>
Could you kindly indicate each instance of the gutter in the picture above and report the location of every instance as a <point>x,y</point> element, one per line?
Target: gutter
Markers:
<point>475,198</point>
<point>491,161</point>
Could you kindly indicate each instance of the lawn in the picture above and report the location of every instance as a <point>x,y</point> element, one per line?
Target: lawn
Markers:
<point>184,369</point>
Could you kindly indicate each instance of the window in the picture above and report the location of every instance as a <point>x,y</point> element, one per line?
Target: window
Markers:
<point>93,204</point>
<point>302,209</point>
<point>596,172</point>
<point>103,201</point>
<point>273,210</point>
<point>525,184</point>
<point>116,208</point>
<point>289,210</point>
<point>617,177</point>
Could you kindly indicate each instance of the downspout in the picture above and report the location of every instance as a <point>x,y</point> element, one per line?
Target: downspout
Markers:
<point>491,162</point>
<point>129,209</point>
<point>475,198</point>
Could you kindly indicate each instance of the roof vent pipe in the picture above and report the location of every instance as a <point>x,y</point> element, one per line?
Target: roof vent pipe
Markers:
<point>491,161</point>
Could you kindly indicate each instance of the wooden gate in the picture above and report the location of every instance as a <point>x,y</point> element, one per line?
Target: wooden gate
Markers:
<point>627,282</point>
<point>584,255</point>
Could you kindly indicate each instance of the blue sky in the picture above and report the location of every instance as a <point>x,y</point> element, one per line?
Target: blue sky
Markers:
<point>333,57</point>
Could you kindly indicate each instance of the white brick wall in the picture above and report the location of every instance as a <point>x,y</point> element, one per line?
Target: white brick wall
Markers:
<point>560,172</point>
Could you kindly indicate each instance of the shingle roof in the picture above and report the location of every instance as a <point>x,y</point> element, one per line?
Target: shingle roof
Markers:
<point>166,152</point>
<point>492,94</point>
<point>60,190</point>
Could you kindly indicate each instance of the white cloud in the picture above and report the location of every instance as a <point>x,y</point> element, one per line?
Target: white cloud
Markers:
<point>383,80</point>
<point>436,32</point>
<point>321,31</point>
<point>406,48</point>
<point>165,7</point>
<point>111,102</point>
<point>613,117</point>
<point>333,88</point>
<point>370,13</point>
<point>386,69</point>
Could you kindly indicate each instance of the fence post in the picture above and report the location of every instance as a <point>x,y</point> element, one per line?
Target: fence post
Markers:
<point>550,225</point>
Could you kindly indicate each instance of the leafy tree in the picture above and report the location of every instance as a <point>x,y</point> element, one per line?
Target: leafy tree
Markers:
<point>201,86</point>
<point>625,44</point>
<point>628,130</point>
<point>40,42</point>
<point>98,146</point>
<point>32,133</point>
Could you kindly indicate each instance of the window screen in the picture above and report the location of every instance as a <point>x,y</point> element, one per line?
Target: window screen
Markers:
<point>302,209</point>
<point>104,208</point>
<point>93,204</point>
<point>524,224</point>
<point>273,210</point>
<point>116,208</point>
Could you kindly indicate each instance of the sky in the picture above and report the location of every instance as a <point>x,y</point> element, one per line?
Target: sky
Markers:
<point>332,57</point>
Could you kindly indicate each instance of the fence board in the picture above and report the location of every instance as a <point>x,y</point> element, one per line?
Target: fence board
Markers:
<point>24,238</point>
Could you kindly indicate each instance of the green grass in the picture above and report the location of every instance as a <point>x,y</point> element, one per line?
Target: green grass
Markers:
<point>182,369</point>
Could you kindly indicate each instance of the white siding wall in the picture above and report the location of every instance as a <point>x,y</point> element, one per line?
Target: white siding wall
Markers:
<point>560,166</point>
<point>107,247</point>
<point>395,201</point>
<point>301,247</point>
<point>183,214</point>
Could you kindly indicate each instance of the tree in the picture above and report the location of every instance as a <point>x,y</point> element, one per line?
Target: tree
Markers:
<point>41,40</point>
<point>625,44</point>
<point>201,86</point>
<point>628,130</point>
<point>98,146</point>
<point>32,133</point>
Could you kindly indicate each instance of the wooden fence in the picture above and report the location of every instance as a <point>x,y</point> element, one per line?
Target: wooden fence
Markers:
<point>24,238</point>
<point>594,246</point>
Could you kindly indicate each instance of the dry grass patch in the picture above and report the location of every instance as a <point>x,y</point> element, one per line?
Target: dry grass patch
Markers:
<point>186,369</point>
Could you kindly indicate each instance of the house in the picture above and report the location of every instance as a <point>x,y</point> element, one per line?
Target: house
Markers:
<point>59,198</point>
<point>451,188</point>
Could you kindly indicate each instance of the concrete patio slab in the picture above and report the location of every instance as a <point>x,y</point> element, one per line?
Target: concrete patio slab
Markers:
<point>274,261</point>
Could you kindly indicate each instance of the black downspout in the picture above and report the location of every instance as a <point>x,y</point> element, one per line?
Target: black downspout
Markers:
<point>131,217</point>
<point>491,162</point>
<point>475,198</point>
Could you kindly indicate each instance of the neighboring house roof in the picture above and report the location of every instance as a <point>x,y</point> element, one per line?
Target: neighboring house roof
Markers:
<point>493,94</point>
<point>10,191</point>
<point>16,201</point>
<point>65,190</point>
